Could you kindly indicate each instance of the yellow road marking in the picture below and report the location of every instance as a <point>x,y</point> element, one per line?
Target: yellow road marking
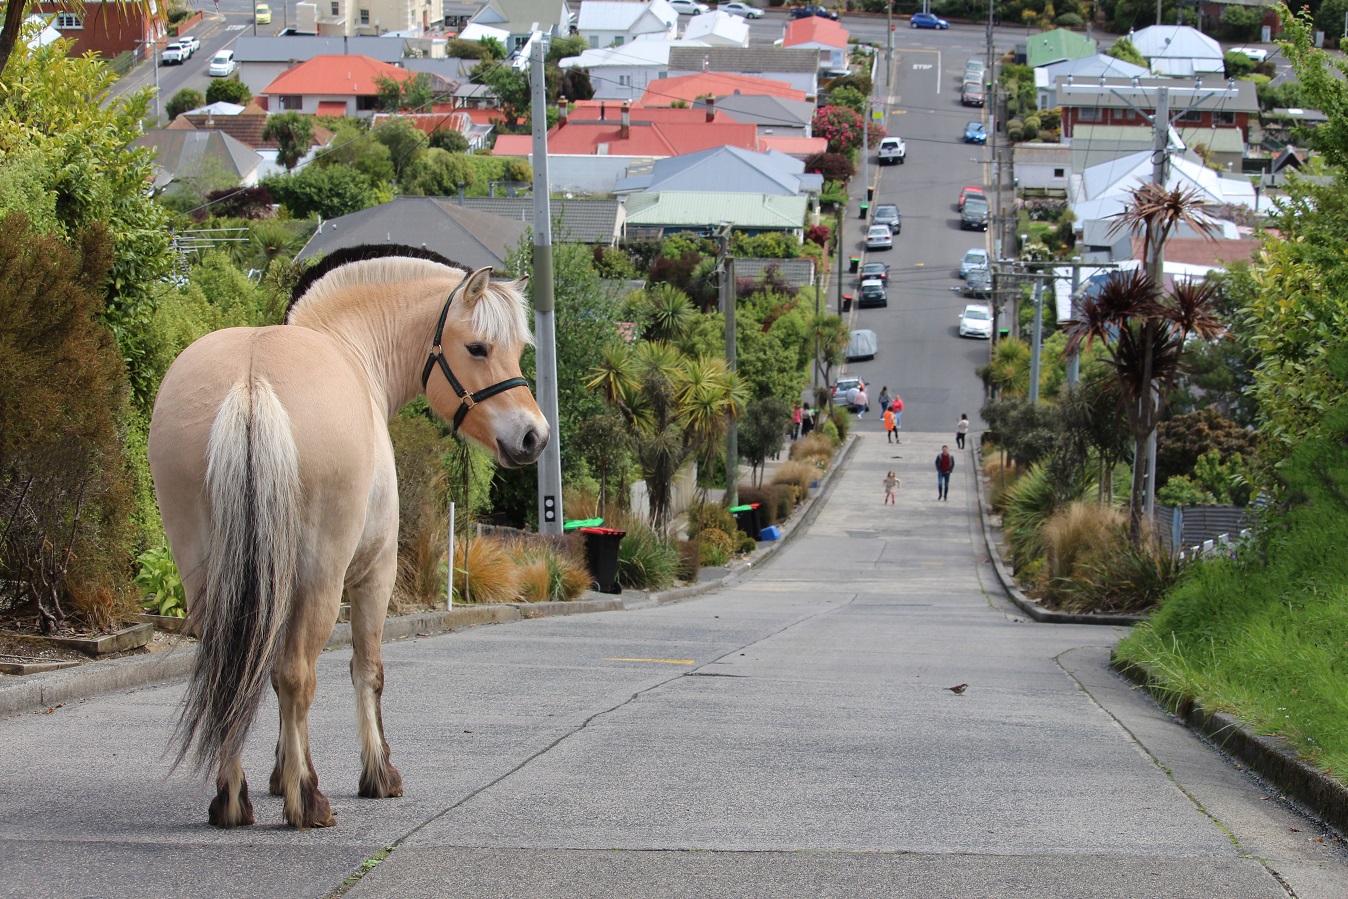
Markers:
<point>657,661</point>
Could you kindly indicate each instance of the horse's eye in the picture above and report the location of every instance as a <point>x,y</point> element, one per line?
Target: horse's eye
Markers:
<point>477,350</point>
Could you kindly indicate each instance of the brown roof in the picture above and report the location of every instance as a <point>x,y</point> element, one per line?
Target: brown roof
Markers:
<point>1201,251</point>
<point>246,127</point>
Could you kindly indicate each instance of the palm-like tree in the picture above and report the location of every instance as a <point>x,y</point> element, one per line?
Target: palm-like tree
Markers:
<point>671,312</point>
<point>709,397</point>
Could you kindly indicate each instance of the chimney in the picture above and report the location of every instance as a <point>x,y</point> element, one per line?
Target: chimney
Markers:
<point>626,130</point>
<point>711,109</point>
<point>562,112</point>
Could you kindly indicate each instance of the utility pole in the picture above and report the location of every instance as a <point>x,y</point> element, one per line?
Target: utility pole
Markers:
<point>732,446</point>
<point>889,41</point>
<point>545,325</point>
<point>838,269</point>
<point>1074,360</point>
<point>1037,338</point>
<point>996,224</point>
<point>866,147</point>
<point>1156,272</point>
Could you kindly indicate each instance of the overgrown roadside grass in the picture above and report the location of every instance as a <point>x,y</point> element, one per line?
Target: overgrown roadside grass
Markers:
<point>1265,636</point>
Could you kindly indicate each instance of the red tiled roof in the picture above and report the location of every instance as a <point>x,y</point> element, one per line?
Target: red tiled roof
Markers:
<point>654,132</point>
<point>335,76</point>
<point>429,122</point>
<point>717,84</point>
<point>814,30</point>
<point>1201,251</point>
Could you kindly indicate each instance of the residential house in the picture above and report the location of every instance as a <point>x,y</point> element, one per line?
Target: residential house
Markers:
<point>775,117</point>
<point>1058,45</point>
<point>521,18</point>
<point>718,29</point>
<point>690,88</point>
<point>1178,51</point>
<point>349,18</point>
<point>1123,101</point>
<point>725,169</point>
<point>40,31</point>
<point>626,72</point>
<point>1087,68</point>
<point>1043,166</point>
<point>613,23</point>
<point>595,142</point>
<point>261,60</point>
<point>655,215</point>
<point>246,124</point>
<point>1094,144</point>
<point>798,66</point>
<point>825,36</point>
<point>106,27</point>
<point>468,236</point>
<point>584,220</point>
<point>330,85</point>
<point>457,14</point>
<point>431,122</point>
<point>202,161</point>
<point>1210,13</point>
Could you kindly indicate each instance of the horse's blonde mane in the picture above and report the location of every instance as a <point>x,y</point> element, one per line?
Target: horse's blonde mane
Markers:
<point>499,317</point>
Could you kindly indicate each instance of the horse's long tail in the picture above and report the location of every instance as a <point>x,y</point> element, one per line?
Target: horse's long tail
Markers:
<point>252,479</point>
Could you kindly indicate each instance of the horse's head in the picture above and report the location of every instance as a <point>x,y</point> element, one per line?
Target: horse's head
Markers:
<point>473,375</point>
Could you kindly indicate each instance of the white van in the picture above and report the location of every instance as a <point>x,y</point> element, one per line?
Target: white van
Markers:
<point>222,64</point>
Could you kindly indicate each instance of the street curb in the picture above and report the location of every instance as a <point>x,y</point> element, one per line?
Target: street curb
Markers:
<point>1272,758</point>
<point>1012,589</point>
<point>43,691</point>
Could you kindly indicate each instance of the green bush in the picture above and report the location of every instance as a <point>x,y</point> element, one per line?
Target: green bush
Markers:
<point>646,561</point>
<point>1030,125</point>
<point>690,559</point>
<point>1069,20</point>
<point>766,497</point>
<point>163,588</point>
<point>703,515</point>
<point>716,547</point>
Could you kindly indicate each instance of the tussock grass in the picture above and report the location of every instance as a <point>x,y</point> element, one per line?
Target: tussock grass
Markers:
<point>646,560</point>
<point>798,476</point>
<point>486,572</point>
<point>546,573</point>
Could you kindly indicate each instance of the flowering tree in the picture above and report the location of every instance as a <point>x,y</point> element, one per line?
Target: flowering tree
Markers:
<point>840,126</point>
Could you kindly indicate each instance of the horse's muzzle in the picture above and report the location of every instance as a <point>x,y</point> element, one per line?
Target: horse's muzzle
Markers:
<point>526,451</point>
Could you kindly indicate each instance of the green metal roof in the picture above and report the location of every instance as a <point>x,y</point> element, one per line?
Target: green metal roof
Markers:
<point>677,207</point>
<point>1057,45</point>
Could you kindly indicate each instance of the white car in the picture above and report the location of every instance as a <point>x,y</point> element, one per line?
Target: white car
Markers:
<point>976,321</point>
<point>975,258</point>
<point>192,44</point>
<point>1258,54</point>
<point>222,64</point>
<point>892,150</point>
<point>689,7</point>
<point>736,8</point>
<point>879,237</point>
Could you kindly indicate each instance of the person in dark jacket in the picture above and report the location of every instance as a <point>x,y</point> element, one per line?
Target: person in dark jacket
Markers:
<point>945,464</point>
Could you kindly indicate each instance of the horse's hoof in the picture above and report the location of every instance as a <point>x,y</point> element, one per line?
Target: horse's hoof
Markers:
<point>228,813</point>
<point>274,784</point>
<point>315,811</point>
<point>385,785</point>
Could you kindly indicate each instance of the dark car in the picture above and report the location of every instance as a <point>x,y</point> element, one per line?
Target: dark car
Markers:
<point>975,133</point>
<point>888,214</point>
<point>873,294</point>
<point>927,20</point>
<point>875,270</point>
<point>974,215</point>
<point>813,9</point>
<point>979,283</point>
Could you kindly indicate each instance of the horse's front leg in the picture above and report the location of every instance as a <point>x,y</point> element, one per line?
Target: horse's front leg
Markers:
<point>295,678</point>
<point>369,604</point>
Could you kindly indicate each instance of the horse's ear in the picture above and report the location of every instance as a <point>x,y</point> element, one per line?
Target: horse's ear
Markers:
<point>475,285</point>
<point>522,283</point>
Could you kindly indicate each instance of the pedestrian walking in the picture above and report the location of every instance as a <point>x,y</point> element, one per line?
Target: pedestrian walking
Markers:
<point>961,429</point>
<point>897,406</point>
<point>884,397</point>
<point>852,393</point>
<point>891,484</point>
<point>796,418</point>
<point>889,426</point>
<point>945,464</point>
<point>863,402</point>
<point>806,420</point>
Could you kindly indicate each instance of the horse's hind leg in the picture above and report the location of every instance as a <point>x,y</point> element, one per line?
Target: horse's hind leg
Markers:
<point>295,678</point>
<point>231,806</point>
<point>369,604</point>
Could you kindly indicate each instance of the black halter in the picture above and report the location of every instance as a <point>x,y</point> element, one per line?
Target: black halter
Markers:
<point>469,400</point>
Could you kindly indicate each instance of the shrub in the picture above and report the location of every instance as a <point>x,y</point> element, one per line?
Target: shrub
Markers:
<point>1069,20</point>
<point>1015,130</point>
<point>830,430</point>
<point>547,573</point>
<point>690,558</point>
<point>717,547</point>
<point>766,497</point>
<point>1001,472</point>
<point>1127,579</point>
<point>228,90</point>
<point>485,572</point>
<point>709,515</point>
<point>646,560</point>
<point>162,587</point>
<point>1030,125</point>
<point>842,423</point>
<point>1078,535</point>
<point>797,476</point>
<point>813,446</point>
<point>183,101</point>
<point>580,500</point>
<point>833,166</point>
<point>1030,502</point>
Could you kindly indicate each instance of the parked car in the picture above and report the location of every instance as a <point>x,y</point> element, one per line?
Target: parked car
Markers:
<point>174,54</point>
<point>974,215</point>
<point>888,214</point>
<point>974,259</point>
<point>813,9</point>
<point>843,387</point>
<point>192,44</point>
<point>873,294</point>
<point>976,321</point>
<point>262,16</point>
<point>975,133</point>
<point>978,283</point>
<point>1258,54</point>
<point>879,237</point>
<point>892,150</point>
<point>969,191</point>
<point>973,92</point>
<point>927,20</point>
<point>863,344</point>
<point>222,64</point>
<point>689,7</point>
<point>736,8</point>
<point>975,66</point>
<point>875,270</point>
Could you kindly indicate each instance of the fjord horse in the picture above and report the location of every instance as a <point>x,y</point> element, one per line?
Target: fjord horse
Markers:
<point>274,472</point>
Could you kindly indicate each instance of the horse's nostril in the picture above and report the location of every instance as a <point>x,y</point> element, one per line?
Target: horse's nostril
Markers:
<point>529,445</point>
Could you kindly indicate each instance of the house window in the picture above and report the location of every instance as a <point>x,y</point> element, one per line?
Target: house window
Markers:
<point>367,103</point>
<point>365,17</point>
<point>624,80</point>
<point>1060,173</point>
<point>1192,116</point>
<point>292,102</point>
<point>68,21</point>
<point>1224,118</point>
<point>594,42</point>
<point>336,8</point>
<point>1090,114</point>
<point>618,41</point>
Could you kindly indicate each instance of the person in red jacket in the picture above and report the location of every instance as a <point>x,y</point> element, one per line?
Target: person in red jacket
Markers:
<point>945,464</point>
<point>897,406</point>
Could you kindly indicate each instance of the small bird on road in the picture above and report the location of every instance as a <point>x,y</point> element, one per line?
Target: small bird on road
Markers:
<point>958,688</point>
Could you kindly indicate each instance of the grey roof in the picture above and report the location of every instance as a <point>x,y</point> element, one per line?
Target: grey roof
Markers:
<point>300,47</point>
<point>520,16</point>
<point>778,113</point>
<point>743,60</point>
<point>796,272</point>
<point>1120,93</point>
<point>681,208</point>
<point>726,170</point>
<point>577,220</point>
<point>1093,67</point>
<point>473,238</point>
<point>183,155</point>
<point>451,69</point>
